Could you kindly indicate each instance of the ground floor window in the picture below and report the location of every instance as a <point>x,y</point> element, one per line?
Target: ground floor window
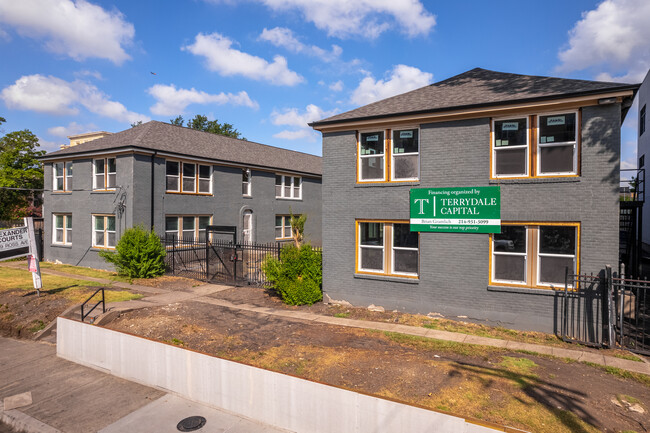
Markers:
<point>187,227</point>
<point>534,254</point>
<point>388,248</point>
<point>282,227</point>
<point>62,229</point>
<point>104,231</point>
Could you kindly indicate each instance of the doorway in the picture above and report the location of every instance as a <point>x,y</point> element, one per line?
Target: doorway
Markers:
<point>247,227</point>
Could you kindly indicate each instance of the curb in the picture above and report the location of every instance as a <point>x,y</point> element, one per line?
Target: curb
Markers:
<point>25,423</point>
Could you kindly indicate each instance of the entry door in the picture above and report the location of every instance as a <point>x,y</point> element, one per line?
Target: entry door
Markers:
<point>247,232</point>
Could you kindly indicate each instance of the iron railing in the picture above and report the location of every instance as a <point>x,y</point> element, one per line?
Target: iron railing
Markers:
<point>101,301</point>
<point>632,314</point>
<point>582,309</point>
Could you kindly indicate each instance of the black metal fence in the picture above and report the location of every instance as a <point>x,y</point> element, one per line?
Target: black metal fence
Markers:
<point>583,310</point>
<point>631,304</point>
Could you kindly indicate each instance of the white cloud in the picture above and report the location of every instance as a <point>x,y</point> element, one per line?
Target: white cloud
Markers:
<point>49,146</point>
<point>53,95</point>
<point>76,29</point>
<point>171,101</point>
<point>613,38</point>
<point>365,18</point>
<point>87,73</point>
<point>283,37</point>
<point>402,79</point>
<point>293,117</point>
<point>222,58</point>
<point>73,128</point>
<point>337,86</point>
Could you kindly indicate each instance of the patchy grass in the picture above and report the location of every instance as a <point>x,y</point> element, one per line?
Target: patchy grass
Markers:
<point>623,398</point>
<point>37,326</point>
<point>628,356</point>
<point>85,272</point>
<point>177,342</point>
<point>342,315</point>
<point>431,344</point>
<point>638,377</point>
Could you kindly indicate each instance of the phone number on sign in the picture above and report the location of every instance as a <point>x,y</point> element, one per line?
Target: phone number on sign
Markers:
<point>474,222</point>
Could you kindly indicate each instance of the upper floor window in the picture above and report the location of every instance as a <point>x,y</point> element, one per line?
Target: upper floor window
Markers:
<point>188,178</point>
<point>642,121</point>
<point>403,148</point>
<point>288,186</point>
<point>246,182</point>
<point>62,173</point>
<point>549,149</point>
<point>62,229</point>
<point>104,231</point>
<point>104,174</point>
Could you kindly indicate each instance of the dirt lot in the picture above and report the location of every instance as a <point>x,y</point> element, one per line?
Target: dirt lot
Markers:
<point>535,393</point>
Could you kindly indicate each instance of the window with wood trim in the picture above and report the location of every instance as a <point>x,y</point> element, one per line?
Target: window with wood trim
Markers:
<point>187,227</point>
<point>543,145</point>
<point>188,178</point>
<point>534,254</point>
<point>104,174</point>
<point>288,187</point>
<point>391,155</point>
<point>387,248</point>
<point>62,233</point>
<point>62,176</point>
<point>246,182</point>
<point>104,231</point>
<point>282,227</point>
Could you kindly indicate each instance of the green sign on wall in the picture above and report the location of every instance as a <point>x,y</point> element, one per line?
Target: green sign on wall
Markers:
<point>460,210</point>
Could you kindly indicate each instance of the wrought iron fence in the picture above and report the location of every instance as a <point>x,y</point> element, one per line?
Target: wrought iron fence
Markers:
<point>583,309</point>
<point>632,312</point>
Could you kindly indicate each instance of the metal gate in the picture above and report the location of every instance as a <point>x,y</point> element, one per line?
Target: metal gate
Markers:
<point>632,312</point>
<point>583,309</point>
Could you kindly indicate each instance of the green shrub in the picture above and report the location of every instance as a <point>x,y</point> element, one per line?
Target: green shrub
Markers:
<point>138,254</point>
<point>297,276</point>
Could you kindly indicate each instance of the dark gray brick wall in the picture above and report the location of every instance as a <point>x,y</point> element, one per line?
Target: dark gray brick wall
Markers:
<point>226,205</point>
<point>455,266</point>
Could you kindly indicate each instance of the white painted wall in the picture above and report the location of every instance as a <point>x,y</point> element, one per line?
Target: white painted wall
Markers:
<point>283,401</point>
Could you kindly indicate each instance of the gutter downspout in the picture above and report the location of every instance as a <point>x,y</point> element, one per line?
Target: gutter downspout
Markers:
<point>153,157</point>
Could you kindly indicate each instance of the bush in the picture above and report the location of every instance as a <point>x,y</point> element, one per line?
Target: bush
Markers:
<point>297,276</point>
<point>138,254</point>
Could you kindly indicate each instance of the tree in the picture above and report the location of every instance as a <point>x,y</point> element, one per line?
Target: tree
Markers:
<point>201,123</point>
<point>138,123</point>
<point>19,168</point>
<point>298,228</point>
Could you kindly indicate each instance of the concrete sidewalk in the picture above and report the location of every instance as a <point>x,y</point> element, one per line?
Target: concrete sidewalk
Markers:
<point>70,398</point>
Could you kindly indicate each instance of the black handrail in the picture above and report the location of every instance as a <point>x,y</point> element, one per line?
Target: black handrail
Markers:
<point>101,301</point>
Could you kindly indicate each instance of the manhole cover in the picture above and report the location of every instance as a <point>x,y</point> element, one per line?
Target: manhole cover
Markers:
<point>191,423</point>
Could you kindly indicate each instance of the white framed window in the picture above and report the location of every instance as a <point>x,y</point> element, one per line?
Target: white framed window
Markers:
<point>371,162</point>
<point>387,248</point>
<point>62,176</point>
<point>188,178</point>
<point>510,147</point>
<point>557,144</point>
<point>187,228</point>
<point>104,174</point>
<point>282,227</point>
<point>288,186</point>
<point>104,231</point>
<point>405,154</point>
<point>534,254</point>
<point>246,189</point>
<point>62,233</point>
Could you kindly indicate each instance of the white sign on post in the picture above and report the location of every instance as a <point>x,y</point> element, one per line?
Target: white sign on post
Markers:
<point>33,258</point>
<point>14,243</point>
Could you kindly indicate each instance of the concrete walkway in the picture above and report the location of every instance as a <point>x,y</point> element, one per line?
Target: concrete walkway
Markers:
<point>201,294</point>
<point>54,395</point>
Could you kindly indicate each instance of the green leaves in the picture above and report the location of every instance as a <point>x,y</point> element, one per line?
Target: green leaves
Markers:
<point>138,254</point>
<point>201,123</point>
<point>297,276</point>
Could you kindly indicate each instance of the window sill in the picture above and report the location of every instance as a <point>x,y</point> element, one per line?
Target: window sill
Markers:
<point>387,278</point>
<point>62,192</point>
<point>247,196</point>
<point>288,199</point>
<point>103,191</point>
<point>545,179</point>
<point>68,246</point>
<point>382,184</point>
<point>102,248</point>
<point>525,290</point>
<point>189,193</point>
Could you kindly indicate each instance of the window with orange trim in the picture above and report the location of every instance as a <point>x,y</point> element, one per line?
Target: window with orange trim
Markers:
<point>387,248</point>
<point>391,155</point>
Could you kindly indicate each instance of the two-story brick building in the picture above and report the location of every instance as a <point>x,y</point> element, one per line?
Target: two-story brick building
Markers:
<point>551,144</point>
<point>178,181</point>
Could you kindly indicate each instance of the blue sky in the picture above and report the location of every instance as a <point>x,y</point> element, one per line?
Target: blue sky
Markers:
<point>270,66</point>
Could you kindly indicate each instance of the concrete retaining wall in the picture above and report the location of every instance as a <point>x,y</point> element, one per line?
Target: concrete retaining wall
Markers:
<point>273,398</point>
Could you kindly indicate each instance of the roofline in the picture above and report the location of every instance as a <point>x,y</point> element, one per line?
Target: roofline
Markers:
<point>85,134</point>
<point>633,87</point>
<point>127,149</point>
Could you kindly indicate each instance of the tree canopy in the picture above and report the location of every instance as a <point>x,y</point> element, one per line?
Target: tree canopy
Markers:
<point>19,168</point>
<point>202,123</point>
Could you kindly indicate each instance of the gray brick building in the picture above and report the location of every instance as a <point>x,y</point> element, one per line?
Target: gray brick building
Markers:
<point>553,147</point>
<point>176,180</point>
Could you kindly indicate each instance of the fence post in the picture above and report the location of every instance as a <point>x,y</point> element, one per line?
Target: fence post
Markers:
<point>565,301</point>
<point>611,314</point>
<point>621,301</point>
<point>173,254</point>
<point>207,257</point>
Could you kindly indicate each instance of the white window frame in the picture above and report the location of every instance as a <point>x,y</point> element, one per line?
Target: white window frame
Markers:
<point>387,247</point>
<point>197,178</point>
<point>194,178</point>
<point>393,248</point>
<point>540,145</point>
<point>105,174</point>
<point>180,232</point>
<point>286,222</point>
<point>64,230</point>
<point>247,184</point>
<point>494,149</point>
<point>291,186</point>
<point>178,176</point>
<point>106,231</point>
<point>565,256</point>
<point>393,154</point>
<point>381,247</point>
<point>503,253</point>
<point>360,157</point>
